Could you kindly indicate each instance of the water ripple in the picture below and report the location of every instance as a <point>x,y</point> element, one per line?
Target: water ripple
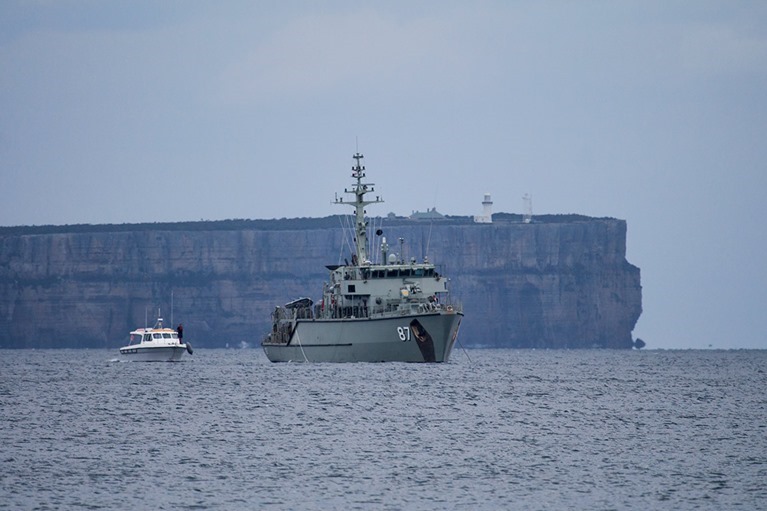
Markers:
<point>509,429</point>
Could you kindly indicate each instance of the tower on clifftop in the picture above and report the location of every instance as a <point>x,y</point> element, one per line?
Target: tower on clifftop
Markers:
<point>527,216</point>
<point>487,211</point>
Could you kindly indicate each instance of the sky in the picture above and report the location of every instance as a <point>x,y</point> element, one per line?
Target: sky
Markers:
<point>654,112</point>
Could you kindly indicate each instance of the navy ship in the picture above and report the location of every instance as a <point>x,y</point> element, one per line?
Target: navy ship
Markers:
<point>395,311</point>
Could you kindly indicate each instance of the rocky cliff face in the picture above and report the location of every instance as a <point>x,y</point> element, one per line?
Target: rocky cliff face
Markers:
<point>559,284</point>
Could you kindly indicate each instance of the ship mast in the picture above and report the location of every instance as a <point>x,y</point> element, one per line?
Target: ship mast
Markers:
<point>359,189</point>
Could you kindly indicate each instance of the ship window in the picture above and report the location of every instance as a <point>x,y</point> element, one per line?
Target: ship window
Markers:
<point>147,337</point>
<point>391,273</point>
<point>352,288</point>
<point>419,272</point>
<point>166,336</point>
<point>174,335</point>
<point>157,336</point>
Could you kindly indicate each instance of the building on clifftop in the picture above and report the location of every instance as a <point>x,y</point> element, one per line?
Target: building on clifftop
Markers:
<point>429,214</point>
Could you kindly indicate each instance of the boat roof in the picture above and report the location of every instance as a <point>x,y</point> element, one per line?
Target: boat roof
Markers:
<point>149,330</point>
<point>378,266</point>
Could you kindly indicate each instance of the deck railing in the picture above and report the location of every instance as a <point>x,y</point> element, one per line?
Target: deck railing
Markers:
<point>375,311</point>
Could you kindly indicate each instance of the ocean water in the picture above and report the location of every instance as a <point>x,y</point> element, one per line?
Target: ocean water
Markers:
<point>492,429</point>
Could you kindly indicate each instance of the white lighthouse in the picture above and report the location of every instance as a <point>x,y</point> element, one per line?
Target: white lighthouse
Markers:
<point>487,211</point>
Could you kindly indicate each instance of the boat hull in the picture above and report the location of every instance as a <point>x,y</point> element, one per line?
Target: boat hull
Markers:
<point>407,338</point>
<point>153,354</point>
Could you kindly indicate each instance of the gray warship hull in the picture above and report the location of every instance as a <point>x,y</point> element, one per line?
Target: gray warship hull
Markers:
<point>405,338</point>
<point>395,310</point>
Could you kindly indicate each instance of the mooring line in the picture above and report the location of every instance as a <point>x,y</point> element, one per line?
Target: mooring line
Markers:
<point>298,338</point>
<point>464,350</point>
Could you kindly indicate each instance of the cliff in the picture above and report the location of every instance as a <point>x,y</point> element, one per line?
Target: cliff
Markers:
<point>561,282</point>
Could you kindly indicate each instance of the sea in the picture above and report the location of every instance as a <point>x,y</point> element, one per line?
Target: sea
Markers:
<point>491,429</point>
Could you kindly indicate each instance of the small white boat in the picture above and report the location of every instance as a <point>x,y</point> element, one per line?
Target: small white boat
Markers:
<point>156,344</point>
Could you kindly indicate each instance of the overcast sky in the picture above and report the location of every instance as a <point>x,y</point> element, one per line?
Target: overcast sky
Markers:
<point>652,112</point>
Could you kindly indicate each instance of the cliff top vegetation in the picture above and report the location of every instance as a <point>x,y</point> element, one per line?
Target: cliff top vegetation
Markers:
<point>282,224</point>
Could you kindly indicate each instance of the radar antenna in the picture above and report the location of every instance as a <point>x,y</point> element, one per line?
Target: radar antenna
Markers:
<point>359,189</point>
